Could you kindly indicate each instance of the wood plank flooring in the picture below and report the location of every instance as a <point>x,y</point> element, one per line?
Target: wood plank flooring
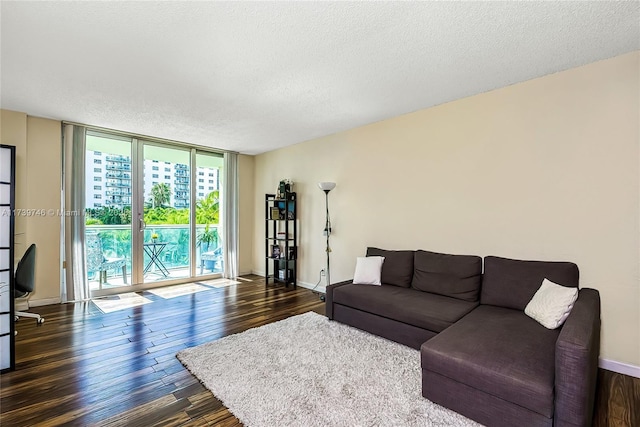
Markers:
<point>617,400</point>
<point>83,367</point>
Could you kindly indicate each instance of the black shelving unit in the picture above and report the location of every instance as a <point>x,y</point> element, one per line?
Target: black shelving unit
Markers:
<point>281,238</point>
<point>7,226</point>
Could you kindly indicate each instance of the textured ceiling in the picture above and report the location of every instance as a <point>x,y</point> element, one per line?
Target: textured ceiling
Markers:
<point>253,77</point>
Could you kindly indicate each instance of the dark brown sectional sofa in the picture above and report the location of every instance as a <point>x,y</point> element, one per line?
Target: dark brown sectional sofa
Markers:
<point>481,355</point>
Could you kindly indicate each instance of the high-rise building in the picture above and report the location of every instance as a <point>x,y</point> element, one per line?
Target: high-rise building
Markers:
<point>95,170</point>
<point>117,181</point>
<point>108,179</point>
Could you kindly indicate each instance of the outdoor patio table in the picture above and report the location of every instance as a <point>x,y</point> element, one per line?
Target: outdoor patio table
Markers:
<point>154,250</point>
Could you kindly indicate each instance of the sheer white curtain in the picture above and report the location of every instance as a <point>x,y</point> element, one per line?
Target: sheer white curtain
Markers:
<point>230,215</point>
<point>75,286</point>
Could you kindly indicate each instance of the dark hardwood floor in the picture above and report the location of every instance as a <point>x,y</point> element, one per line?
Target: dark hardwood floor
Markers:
<point>83,367</point>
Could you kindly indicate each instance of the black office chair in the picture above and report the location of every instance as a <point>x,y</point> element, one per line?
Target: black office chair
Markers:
<point>25,284</point>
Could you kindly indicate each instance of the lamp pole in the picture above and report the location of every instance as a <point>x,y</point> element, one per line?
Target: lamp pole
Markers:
<point>326,187</point>
<point>327,230</point>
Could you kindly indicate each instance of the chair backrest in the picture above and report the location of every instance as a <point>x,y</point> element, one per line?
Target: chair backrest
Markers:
<point>26,271</point>
<point>94,256</point>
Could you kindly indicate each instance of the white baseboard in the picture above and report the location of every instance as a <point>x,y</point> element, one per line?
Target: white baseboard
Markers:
<point>44,301</point>
<point>619,367</point>
<point>320,288</point>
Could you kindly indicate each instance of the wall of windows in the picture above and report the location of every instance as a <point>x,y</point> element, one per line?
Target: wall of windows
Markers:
<point>152,210</point>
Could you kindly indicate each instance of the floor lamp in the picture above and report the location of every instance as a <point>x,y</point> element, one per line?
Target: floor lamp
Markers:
<point>326,187</point>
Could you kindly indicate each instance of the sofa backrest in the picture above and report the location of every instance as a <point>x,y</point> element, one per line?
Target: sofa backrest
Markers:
<point>397,269</point>
<point>456,276</point>
<point>512,283</point>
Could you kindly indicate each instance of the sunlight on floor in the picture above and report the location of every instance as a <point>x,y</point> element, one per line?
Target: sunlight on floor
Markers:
<point>120,302</point>
<point>131,299</point>
<point>178,290</point>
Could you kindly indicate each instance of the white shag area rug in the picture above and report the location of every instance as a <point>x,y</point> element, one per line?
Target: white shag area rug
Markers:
<point>309,371</point>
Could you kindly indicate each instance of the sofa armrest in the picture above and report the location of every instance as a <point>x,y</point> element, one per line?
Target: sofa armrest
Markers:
<point>576,362</point>
<point>329,297</point>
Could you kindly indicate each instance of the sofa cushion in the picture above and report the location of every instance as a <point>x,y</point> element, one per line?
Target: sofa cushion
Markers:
<point>512,283</point>
<point>456,276</point>
<point>397,269</point>
<point>500,351</point>
<point>368,270</point>
<point>420,309</point>
<point>551,304</point>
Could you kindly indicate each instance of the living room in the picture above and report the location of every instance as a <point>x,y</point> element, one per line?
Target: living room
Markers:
<point>544,167</point>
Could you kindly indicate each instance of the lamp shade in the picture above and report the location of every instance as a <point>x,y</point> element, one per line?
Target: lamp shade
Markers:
<point>327,186</point>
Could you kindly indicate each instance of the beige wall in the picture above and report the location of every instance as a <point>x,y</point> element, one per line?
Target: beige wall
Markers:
<point>13,131</point>
<point>547,169</point>
<point>38,175</point>
<point>44,165</point>
<point>246,209</point>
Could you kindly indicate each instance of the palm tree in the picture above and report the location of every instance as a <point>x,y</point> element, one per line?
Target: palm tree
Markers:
<point>208,209</point>
<point>160,194</point>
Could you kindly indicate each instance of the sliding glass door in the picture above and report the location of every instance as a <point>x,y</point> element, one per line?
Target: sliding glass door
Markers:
<point>207,188</point>
<point>166,234</point>
<point>152,213</point>
<point>108,196</point>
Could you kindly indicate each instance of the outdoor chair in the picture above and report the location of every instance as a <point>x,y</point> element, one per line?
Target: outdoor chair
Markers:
<point>96,260</point>
<point>209,259</point>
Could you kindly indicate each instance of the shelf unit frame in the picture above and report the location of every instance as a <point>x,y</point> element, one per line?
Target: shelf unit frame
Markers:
<point>284,268</point>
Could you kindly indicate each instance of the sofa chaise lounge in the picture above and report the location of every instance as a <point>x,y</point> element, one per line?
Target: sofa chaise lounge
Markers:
<point>481,355</point>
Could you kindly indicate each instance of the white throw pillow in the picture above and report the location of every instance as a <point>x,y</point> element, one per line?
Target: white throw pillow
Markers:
<point>368,270</point>
<point>551,304</point>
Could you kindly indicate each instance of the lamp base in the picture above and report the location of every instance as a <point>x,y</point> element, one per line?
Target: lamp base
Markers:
<point>322,296</point>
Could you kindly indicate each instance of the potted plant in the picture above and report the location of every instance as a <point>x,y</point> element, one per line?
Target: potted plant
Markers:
<point>154,237</point>
<point>207,239</point>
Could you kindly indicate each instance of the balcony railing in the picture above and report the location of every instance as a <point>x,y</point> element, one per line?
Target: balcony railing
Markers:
<point>118,201</point>
<point>119,166</point>
<point>118,193</point>
<point>118,183</point>
<point>121,175</point>
<point>118,159</point>
<point>116,243</point>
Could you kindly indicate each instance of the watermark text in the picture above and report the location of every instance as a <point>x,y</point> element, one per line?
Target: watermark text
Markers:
<point>39,212</point>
